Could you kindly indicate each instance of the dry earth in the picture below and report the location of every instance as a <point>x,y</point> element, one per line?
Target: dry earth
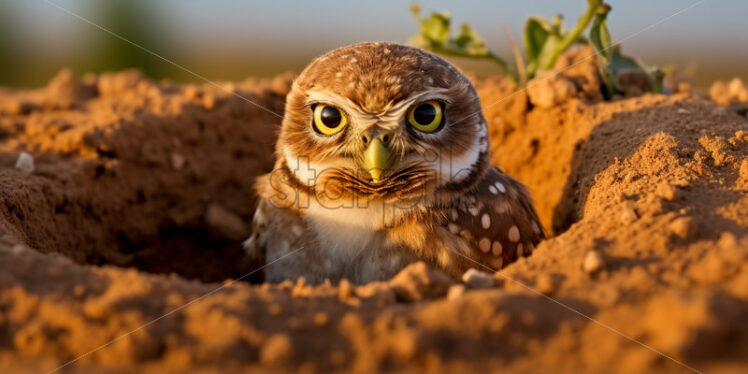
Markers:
<point>140,193</point>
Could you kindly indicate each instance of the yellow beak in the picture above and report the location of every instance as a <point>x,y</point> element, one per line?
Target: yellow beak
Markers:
<point>377,158</point>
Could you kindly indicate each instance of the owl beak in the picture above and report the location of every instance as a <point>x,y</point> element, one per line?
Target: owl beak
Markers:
<point>377,158</point>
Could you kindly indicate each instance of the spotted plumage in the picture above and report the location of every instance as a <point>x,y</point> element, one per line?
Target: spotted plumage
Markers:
<point>383,160</point>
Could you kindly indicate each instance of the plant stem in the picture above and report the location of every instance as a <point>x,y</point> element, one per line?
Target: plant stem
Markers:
<point>574,34</point>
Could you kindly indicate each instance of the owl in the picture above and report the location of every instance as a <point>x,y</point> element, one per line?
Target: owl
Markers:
<point>382,160</point>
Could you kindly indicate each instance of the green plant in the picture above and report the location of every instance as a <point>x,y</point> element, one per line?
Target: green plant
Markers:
<point>435,36</point>
<point>613,62</point>
<point>543,40</point>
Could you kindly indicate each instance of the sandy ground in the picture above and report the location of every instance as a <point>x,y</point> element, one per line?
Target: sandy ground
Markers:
<point>141,191</point>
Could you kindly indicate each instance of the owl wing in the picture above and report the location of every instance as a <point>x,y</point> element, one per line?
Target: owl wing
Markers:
<point>277,232</point>
<point>497,220</point>
<point>254,246</point>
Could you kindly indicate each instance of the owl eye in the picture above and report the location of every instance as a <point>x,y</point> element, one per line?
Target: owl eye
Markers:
<point>328,119</point>
<point>427,116</point>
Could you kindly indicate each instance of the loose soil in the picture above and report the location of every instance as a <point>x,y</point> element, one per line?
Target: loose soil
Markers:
<point>141,192</point>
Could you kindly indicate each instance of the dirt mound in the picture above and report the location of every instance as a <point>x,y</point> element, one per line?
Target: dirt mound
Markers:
<point>647,196</point>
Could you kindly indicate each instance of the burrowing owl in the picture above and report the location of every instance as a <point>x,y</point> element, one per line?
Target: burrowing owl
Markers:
<point>383,160</point>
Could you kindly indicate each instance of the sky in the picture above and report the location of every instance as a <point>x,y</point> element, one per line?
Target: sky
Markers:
<point>232,39</point>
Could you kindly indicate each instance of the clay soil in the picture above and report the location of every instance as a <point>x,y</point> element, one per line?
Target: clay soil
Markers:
<point>121,245</point>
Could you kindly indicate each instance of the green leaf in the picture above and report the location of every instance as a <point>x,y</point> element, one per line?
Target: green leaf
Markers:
<point>469,43</point>
<point>600,38</point>
<point>434,35</point>
<point>536,34</point>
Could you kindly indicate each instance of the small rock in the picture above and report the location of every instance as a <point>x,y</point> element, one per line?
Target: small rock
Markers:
<point>275,309</point>
<point>18,249</point>
<point>226,223</point>
<point>229,87</point>
<point>419,282</point>
<point>17,108</point>
<point>727,241</point>
<point>116,83</point>
<point>667,192</point>
<point>346,291</point>
<point>544,284</point>
<point>477,279</point>
<point>683,227</point>
<point>277,350</point>
<point>593,262</point>
<point>192,92</point>
<point>378,293</point>
<point>628,215</point>
<point>25,163</point>
<point>683,111</point>
<point>209,101</point>
<point>455,292</point>
<point>744,171</point>
<point>177,161</point>
<point>320,318</point>
<point>681,183</point>
<point>549,89</point>
<point>684,88</point>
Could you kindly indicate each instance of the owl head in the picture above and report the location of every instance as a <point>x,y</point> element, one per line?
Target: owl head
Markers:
<point>382,120</point>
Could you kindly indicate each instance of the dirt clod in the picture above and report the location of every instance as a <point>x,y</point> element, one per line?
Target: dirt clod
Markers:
<point>544,284</point>
<point>277,351</point>
<point>418,282</point>
<point>593,262</point>
<point>25,163</point>
<point>683,227</point>
<point>728,93</point>
<point>455,292</point>
<point>628,215</point>
<point>550,88</point>
<point>476,279</point>
<point>668,192</point>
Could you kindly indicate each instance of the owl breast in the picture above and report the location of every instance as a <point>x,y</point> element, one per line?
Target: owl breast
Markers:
<point>321,242</point>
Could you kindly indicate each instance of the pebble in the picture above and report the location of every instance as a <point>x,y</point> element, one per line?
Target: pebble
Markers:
<point>417,281</point>
<point>744,170</point>
<point>277,351</point>
<point>455,292</point>
<point>320,318</point>
<point>549,89</point>
<point>275,310</point>
<point>667,192</point>
<point>477,279</point>
<point>17,108</point>
<point>25,163</point>
<point>682,227</point>
<point>18,249</point>
<point>226,223</point>
<point>727,241</point>
<point>628,215</point>
<point>209,101</point>
<point>346,290</point>
<point>177,161</point>
<point>593,262</point>
<point>544,284</point>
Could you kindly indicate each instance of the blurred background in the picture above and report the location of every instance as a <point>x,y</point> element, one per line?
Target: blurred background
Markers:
<point>232,40</point>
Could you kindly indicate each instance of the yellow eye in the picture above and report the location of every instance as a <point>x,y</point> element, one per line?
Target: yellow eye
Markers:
<point>328,119</point>
<point>427,116</point>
